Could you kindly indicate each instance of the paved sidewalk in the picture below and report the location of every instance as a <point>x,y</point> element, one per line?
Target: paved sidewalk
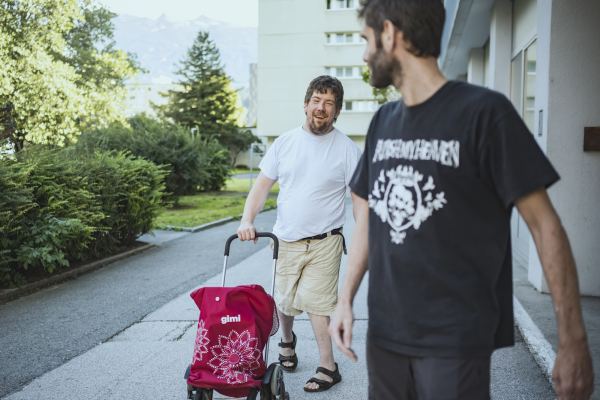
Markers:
<point>535,317</point>
<point>148,359</point>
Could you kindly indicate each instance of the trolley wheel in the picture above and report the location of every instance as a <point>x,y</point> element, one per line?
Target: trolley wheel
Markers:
<point>281,393</point>
<point>253,395</point>
<point>190,389</point>
<point>202,394</point>
<point>273,387</point>
<point>277,384</point>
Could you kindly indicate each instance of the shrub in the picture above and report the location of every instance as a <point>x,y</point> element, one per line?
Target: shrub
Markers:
<point>129,192</point>
<point>16,202</point>
<point>215,160</point>
<point>66,213</point>
<point>59,206</point>
<point>195,164</point>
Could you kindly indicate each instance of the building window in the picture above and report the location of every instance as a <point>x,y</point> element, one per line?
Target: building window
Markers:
<point>360,106</point>
<point>341,4</point>
<point>340,38</point>
<point>523,73</point>
<point>530,64</point>
<point>522,94</point>
<point>344,72</point>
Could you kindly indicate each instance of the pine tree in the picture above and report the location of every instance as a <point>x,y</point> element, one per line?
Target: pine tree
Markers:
<point>205,99</point>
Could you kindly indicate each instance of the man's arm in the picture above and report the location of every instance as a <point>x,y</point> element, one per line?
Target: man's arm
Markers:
<point>342,319</point>
<point>254,203</point>
<point>572,375</point>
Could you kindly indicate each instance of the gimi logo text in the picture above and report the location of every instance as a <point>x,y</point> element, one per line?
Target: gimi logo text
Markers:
<point>230,318</point>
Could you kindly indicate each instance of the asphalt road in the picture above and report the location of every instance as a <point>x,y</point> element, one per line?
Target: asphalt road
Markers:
<point>43,331</point>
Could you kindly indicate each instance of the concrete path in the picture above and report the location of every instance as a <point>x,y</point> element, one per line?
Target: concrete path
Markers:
<point>148,359</point>
<point>538,324</point>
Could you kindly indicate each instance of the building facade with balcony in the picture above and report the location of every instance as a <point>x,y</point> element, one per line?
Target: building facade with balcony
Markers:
<point>299,40</point>
<point>544,55</point>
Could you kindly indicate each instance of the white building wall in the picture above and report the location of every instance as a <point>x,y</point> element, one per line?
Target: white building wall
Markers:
<point>292,50</point>
<point>524,30</point>
<point>476,68</point>
<point>567,97</point>
<point>498,74</point>
<point>574,103</point>
<point>525,23</point>
<point>543,25</point>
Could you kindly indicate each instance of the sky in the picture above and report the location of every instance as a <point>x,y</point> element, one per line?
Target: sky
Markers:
<point>236,12</point>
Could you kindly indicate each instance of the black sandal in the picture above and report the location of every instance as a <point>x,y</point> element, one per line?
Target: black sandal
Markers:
<point>324,385</point>
<point>289,359</point>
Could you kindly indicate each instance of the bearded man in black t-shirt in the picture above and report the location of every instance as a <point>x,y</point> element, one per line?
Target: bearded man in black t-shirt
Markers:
<point>434,191</point>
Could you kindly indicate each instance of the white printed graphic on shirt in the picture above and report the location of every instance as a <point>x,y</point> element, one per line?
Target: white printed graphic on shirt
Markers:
<point>400,199</point>
<point>445,152</point>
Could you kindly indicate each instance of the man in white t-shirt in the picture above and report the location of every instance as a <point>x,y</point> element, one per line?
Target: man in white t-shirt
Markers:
<point>313,165</point>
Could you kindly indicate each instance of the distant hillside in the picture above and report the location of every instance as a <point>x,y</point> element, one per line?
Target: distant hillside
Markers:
<point>160,44</point>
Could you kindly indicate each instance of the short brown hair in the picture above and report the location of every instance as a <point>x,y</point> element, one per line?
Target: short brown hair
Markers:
<point>421,22</point>
<point>322,84</point>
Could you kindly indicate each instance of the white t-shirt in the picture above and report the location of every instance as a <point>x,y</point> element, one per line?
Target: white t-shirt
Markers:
<point>313,173</point>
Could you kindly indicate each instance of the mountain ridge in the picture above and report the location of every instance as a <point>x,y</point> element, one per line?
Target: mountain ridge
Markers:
<point>160,44</point>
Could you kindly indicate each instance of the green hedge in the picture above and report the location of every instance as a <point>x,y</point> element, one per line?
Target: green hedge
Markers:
<point>59,206</point>
<point>194,164</point>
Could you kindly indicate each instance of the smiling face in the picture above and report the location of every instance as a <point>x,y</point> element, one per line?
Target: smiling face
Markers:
<point>320,112</point>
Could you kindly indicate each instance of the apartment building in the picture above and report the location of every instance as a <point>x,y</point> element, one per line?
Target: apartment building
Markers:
<point>299,40</point>
<point>543,55</point>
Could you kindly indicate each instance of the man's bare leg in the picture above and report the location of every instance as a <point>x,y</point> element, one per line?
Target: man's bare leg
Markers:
<point>320,325</point>
<point>286,323</point>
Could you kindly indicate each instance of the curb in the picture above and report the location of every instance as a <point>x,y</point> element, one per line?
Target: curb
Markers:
<point>13,294</point>
<point>538,346</point>
<point>199,227</point>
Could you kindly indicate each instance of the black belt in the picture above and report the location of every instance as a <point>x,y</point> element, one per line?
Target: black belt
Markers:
<point>336,231</point>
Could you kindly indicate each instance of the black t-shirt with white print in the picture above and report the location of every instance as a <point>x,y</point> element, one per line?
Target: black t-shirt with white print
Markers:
<point>441,179</point>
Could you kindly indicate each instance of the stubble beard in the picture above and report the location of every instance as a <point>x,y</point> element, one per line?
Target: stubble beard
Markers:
<point>319,129</point>
<point>385,70</point>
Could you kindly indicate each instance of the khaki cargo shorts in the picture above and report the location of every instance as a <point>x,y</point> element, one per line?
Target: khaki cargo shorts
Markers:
<point>307,276</point>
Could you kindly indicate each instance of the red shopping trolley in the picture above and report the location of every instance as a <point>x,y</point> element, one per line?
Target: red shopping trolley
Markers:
<point>234,328</point>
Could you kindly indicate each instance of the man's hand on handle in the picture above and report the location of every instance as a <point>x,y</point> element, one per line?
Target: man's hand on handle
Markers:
<point>254,203</point>
<point>246,231</point>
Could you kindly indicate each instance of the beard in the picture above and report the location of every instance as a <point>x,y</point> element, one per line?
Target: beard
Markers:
<point>319,128</point>
<point>385,70</point>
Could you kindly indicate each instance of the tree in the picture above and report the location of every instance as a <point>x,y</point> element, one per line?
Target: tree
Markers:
<point>53,78</point>
<point>238,140</point>
<point>205,100</point>
<point>92,53</point>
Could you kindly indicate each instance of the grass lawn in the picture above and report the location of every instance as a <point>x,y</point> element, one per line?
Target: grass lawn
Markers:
<point>243,185</point>
<point>238,170</point>
<point>207,207</point>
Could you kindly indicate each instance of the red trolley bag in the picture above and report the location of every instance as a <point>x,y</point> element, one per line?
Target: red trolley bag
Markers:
<point>234,327</point>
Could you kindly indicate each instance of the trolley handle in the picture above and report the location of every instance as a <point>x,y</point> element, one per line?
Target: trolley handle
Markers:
<point>258,235</point>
